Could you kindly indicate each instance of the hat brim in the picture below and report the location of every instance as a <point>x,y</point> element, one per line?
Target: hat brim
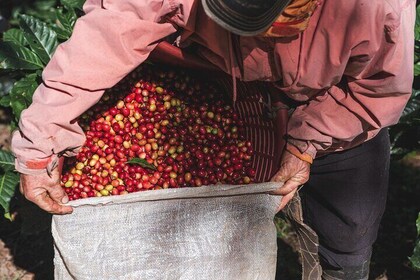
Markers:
<point>239,23</point>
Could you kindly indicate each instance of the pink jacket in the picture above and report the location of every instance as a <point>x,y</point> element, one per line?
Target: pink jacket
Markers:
<point>352,67</point>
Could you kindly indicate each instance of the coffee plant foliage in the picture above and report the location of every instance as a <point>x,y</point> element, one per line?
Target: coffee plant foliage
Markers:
<point>25,49</point>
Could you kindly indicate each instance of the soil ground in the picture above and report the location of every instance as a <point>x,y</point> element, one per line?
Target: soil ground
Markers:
<point>26,244</point>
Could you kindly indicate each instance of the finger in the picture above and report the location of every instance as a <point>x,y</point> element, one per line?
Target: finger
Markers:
<point>44,201</point>
<point>281,176</point>
<point>288,187</point>
<point>58,194</point>
<point>285,199</point>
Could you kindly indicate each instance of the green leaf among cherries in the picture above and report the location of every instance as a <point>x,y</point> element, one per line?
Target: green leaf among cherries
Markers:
<point>142,163</point>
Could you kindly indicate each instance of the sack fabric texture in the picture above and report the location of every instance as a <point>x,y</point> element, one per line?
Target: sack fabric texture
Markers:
<point>223,232</point>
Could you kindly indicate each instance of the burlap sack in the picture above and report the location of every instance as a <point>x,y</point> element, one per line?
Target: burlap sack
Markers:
<point>211,232</point>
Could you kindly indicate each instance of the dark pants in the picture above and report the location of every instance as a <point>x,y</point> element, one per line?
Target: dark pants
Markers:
<point>344,200</point>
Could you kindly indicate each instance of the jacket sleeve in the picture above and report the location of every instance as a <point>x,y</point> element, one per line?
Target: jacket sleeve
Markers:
<point>368,98</point>
<point>108,42</point>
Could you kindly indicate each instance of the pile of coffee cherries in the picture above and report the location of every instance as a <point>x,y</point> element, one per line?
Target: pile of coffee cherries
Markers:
<point>158,129</point>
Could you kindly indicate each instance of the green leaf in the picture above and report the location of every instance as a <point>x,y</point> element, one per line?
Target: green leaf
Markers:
<point>42,9</point>
<point>65,23</point>
<point>412,107</point>
<point>8,216</point>
<point>8,183</point>
<point>415,93</point>
<point>16,57</point>
<point>45,4</point>
<point>16,36</point>
<point>417,25</point>
<point>26,87</point>
<point>417,69</point>
<point>418,225</point>
<point>7,161</point>
<point>5,101</point>
<point>77,4</point>
<point>415,258</point>
<point>416,51</point>
<point>18,105</point>
<point>142,163</point>
<point>62,34</point>
<point>22,92</point>
<point>41,38</point>
<point>47,16</point>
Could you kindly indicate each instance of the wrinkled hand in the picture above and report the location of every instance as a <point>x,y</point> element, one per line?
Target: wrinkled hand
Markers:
<point>293,172</point>
<point>46,192</point>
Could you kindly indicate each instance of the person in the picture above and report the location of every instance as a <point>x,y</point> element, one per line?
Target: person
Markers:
<point>346,66</point>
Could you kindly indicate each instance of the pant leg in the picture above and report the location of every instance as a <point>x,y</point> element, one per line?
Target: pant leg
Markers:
<point>344,201</point>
